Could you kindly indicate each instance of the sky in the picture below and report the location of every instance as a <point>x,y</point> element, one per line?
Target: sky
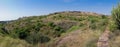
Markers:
<point>14,9</point>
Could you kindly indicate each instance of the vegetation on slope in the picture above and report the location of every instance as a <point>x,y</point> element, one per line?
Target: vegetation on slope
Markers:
<point>44,31</point>
<point>11,42</point>
<point>115,26</point>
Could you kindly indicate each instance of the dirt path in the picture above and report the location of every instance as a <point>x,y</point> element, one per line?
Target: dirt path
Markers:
<point>104,39</point>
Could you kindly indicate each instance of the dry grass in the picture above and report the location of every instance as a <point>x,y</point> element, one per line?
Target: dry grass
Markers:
<point>10,42</point>
<point>79,38</point>
<point>115,41</point>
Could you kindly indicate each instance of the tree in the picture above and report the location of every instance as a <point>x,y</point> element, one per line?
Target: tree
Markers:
<point>116,16</point>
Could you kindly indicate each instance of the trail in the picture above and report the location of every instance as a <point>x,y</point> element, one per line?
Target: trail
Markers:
<point>104,39</point>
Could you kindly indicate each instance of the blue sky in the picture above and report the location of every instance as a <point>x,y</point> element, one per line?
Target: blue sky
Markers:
<point>13,9</point>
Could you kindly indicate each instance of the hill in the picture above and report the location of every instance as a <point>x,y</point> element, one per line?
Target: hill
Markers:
<point>60,29</point>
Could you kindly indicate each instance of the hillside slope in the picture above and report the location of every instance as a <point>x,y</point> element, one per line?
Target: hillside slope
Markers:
<point>54,29</point>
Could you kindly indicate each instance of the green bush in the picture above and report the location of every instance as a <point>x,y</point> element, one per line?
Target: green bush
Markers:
<point>58,31</point>
<point>116,16</point>
<point>51,24</point>
<point>73,28</point>
<point>37,37</point>
<point>38,26</point>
